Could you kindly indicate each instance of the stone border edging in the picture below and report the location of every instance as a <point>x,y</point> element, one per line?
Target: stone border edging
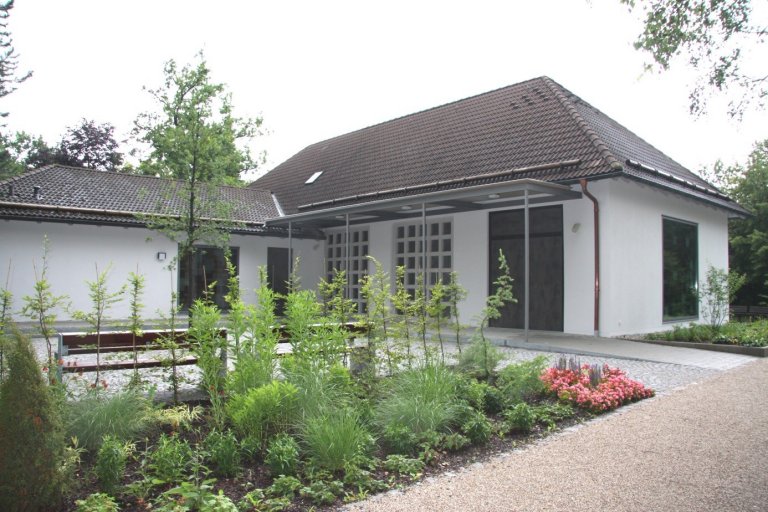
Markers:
<point>715,347</point>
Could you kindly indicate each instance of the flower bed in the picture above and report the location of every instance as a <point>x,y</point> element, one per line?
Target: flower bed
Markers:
<point>594,389</point>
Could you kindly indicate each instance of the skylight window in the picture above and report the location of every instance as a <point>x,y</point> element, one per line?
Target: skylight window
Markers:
<point>313,178</point>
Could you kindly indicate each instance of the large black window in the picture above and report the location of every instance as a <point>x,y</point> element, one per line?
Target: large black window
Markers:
<point>209,271</point>
<point>681,269</point>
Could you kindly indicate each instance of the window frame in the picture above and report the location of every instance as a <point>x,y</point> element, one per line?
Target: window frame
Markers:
<point>668,319</point>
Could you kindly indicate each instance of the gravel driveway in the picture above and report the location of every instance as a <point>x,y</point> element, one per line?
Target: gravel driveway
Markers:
<point>701,448</point>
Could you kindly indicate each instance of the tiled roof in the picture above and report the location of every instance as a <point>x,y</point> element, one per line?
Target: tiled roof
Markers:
<point>535,124</point>
<point>75,194</point>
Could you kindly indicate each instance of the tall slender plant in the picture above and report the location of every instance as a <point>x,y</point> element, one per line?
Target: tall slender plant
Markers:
<point>136,284</point>
<point>210,347</point>
<point>436,308</point>
<point>375,290</point>
<point>402,302</point>
<point>6,301</point>
<point>102,301</point>
<point>237,316</point>
<point>501,296</point>
<point>454,294</point>
<point>170,342</point>
<point>418,309</point>
<point>41,307</point>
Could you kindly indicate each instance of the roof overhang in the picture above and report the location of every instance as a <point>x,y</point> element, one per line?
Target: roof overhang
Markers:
<point>445,202</point>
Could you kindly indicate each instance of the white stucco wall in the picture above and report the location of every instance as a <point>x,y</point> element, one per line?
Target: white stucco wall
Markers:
<point>631,251</point>
<point>76,249</point>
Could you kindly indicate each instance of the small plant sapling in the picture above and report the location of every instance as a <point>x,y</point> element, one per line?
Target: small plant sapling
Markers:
<point>41,307</point>
<point>375,290</point>
<point>402,302</point>
<point>717,292</point>
<point>210,347</point>
<point>436,310</point>
<point>488,353</point>
<point>136,284</point>
<point>102,301</point>
<point>170,342</point>
<point>6,301</point>
<point>454,294</point>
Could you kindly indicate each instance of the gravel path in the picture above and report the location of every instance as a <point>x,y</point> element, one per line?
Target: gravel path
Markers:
<point>701,448</point>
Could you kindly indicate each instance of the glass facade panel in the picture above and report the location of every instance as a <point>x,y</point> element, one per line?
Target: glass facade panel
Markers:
<point>681,269</point>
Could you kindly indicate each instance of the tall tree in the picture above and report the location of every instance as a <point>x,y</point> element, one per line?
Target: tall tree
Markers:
<point>749,237</point>
<point>714,36</point>
<point>21,152</point>
<point>194,139</point>
<point>90,145</point>
<point>10,76</point>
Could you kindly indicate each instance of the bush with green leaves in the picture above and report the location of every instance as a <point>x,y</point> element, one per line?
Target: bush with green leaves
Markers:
<point>223,453</point>
<point>171,459</point>
<point>126,415</point>
<point>192,496</point>
<point>97,502</point>
<point>416,402</point>
<point>477,428</point>
<point>283,455</point>
<point>550,414</point>
<point>520,381</point>
<point>334,437</point>
<point>454,441</point>
<point>403,465</point>
<point>179,417</point>
<point>111,460</point>
<point>264,411</point>
<point>480,358</point>
<point>520,418</point>
<point>284,487</point>
<point>319,389</point>
<point>320,492</point>
<point>32,445</point>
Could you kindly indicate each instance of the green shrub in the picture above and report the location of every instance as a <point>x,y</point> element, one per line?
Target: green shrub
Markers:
<point>550,414</point>
<point>189,496</point>
<point>477,428</point>
<point>520,418</point>
<point>171,460</point>
<point>32,446</point>
<point>282,455</point>
<point>334,437</point>
<point>250,372</point>
<point>403,465</point>
<point>180,417</point>
<point>97,502</point>
<point>319,389</point>
<point>320,492</point>
<point>125,415</point>
<point>418,401</point>
<point>520,382</point>
<point>223,453</point>
<point>480,359</point>
<point>110,463</point>
<point>454,442</point>
<point>264,411</point>
<point>284,487</point>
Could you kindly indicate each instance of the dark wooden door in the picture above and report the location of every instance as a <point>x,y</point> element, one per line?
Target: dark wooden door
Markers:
<point>546,277</point>
<point>278,273</point>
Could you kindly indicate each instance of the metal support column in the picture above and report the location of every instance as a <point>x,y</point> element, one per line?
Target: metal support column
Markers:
<point>290,250</point>
<point>424,249</point>
<point>346,258</point>
<point>527,268</point>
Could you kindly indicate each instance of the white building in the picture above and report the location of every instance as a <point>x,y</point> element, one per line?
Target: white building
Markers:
<point>619,234</point>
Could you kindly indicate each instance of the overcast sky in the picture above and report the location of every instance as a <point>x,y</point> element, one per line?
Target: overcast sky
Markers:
<point>319,69</point>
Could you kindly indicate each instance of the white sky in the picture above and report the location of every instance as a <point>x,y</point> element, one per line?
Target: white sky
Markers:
<point>318,69</point>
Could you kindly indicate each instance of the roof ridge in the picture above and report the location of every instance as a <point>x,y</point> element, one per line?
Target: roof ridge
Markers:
<point>559,92</point>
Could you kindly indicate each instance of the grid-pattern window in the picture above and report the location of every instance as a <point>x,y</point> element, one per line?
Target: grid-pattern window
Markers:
<point>336,258</point>
<point>409,251</point>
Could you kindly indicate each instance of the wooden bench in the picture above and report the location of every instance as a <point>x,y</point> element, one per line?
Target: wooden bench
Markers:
<point>81,343</point>
<point>748,312</point>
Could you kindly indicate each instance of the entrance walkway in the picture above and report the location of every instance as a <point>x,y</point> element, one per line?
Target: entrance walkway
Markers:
<point>701,448</point>
<point>616,348</point>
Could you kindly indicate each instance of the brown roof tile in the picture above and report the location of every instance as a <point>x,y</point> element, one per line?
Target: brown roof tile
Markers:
<point>529,124</point>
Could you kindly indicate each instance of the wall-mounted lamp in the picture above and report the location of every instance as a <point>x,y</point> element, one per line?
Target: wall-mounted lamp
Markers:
<point>576,227</point>
<point>406,207</point>
<point>493,196</point>
<point>161,256</point>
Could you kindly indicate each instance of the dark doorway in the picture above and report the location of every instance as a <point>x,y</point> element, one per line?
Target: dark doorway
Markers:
<point>278,273</point>
<point>209,274</point>
<point>507,233</point>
